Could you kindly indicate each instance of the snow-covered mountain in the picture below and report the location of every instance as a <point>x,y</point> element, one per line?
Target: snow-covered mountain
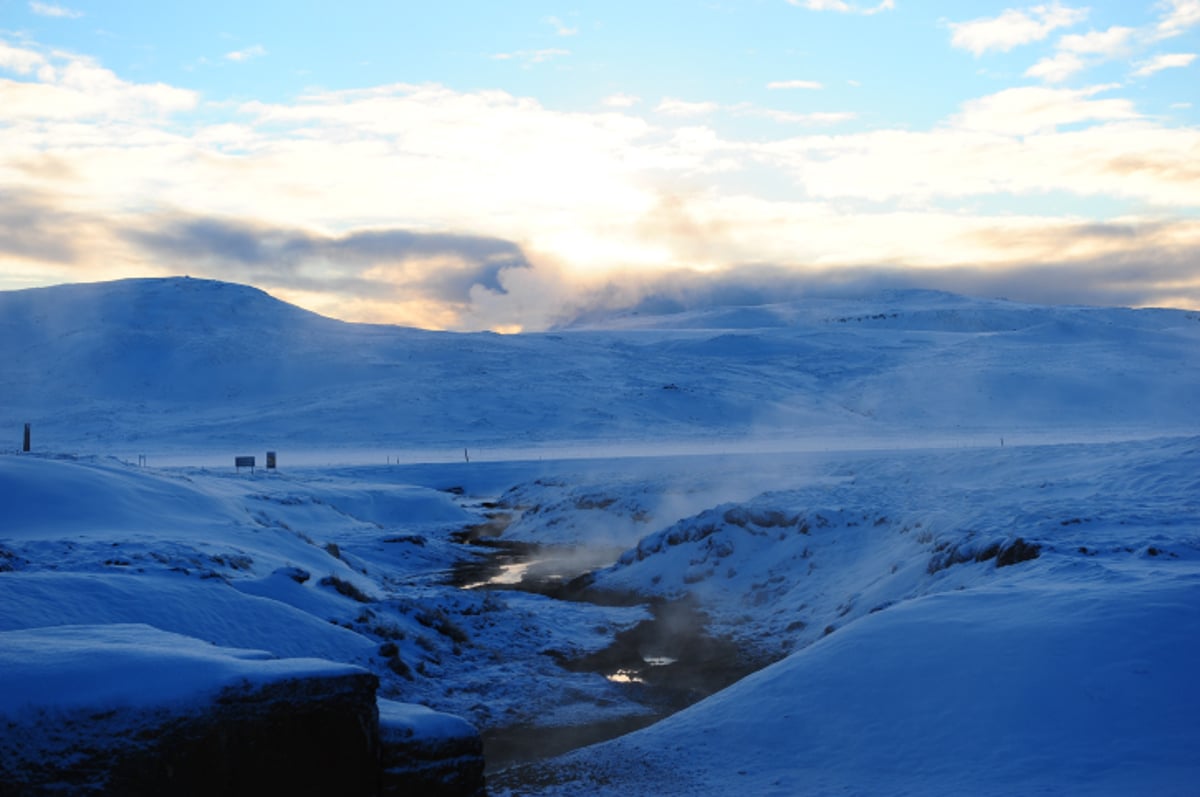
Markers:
<point>963,533</point>
<point>187,364</point>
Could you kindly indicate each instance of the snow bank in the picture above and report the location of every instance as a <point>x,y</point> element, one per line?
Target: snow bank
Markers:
<point>42,496</point>
<point>1007,691</point>
<point>131,665</point>
<point>204,609</point>
<point>401,721</point>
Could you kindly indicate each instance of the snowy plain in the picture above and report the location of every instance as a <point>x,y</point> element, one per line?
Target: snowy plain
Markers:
<point>961,536</point>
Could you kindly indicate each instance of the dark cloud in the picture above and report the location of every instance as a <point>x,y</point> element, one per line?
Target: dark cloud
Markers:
<point>1159,275</point>
<point>31,226</point>
<point>1175,167</point>
<point>480,282</point>
<point>48,167</point>
<point>363,264</point>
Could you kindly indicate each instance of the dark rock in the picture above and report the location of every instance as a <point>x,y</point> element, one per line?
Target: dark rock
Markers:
<point>297,574</point>
<point>308,736</point>
<point>346,588</point>
<point>146,712</point>
<point>428,753</point>
<point>1018,551</point>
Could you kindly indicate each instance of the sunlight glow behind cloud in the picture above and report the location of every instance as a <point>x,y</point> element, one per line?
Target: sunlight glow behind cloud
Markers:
<point>431,204</point>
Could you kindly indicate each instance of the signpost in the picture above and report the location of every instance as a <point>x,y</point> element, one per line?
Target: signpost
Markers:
<point>244,462</point>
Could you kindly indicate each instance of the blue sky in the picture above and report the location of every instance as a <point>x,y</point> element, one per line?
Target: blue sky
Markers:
<point>472,164</point>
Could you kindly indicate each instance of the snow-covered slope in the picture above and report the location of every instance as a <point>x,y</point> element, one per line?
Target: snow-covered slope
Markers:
<point>351,566</point>
<point>987,621</point>
<point>146,366</point>
<point>1029,689</point>
<point>965,531</point>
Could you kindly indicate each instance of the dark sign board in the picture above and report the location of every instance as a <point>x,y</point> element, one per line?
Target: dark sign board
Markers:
<point>243,462</point>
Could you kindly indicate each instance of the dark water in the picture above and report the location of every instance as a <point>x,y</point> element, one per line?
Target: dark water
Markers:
<point>664,663</point>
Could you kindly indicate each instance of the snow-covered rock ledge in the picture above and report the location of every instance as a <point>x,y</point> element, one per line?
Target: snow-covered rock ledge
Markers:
<point>130,709</point>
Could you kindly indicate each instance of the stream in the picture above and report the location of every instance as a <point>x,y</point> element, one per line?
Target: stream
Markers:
<point>665,663</point>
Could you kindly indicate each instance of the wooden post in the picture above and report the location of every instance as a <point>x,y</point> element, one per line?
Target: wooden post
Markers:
<point>25,448</point>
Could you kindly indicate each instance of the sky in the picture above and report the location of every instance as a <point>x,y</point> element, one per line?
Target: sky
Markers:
<point>511,166</point>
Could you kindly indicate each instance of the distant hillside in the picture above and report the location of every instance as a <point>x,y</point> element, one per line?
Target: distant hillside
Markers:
<point>178,364</point>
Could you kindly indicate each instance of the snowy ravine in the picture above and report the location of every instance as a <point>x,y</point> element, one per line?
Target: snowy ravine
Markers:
<point>1002,621</point>
<point>964,535</point>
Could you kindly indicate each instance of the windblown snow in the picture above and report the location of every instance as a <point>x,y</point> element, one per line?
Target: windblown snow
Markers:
<point>960,537</point>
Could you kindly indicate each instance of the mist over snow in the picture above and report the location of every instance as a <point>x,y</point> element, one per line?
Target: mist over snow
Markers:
<point>872,542</point>
<point>149,366</point>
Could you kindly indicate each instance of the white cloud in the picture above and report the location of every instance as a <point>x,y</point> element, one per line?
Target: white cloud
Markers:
<point>795,84</point>
<point>812,119</point>
<point>1133,160</point>
<point>1110,43</point>
<point>1029,110</point>
<point>1057,68</point>
<point>254,51</point>
<point>21,61</point>
<point>596,193</point>
<point>51,10</point>
<point>676,107</point>
<point>1164,61</point>
<point>843,7</point>
<point>75,87</point>
<point>1178,16</point>
<point>532,56</point>
<point>1079,51</point>
<point>1014,27</point>
<point>621,100</point>
<point>671,106</point>
<point>560,27</point>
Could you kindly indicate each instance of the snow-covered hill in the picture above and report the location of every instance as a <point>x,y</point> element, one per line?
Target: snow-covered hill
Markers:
<point>150,366</point>
<point>966,532</point>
